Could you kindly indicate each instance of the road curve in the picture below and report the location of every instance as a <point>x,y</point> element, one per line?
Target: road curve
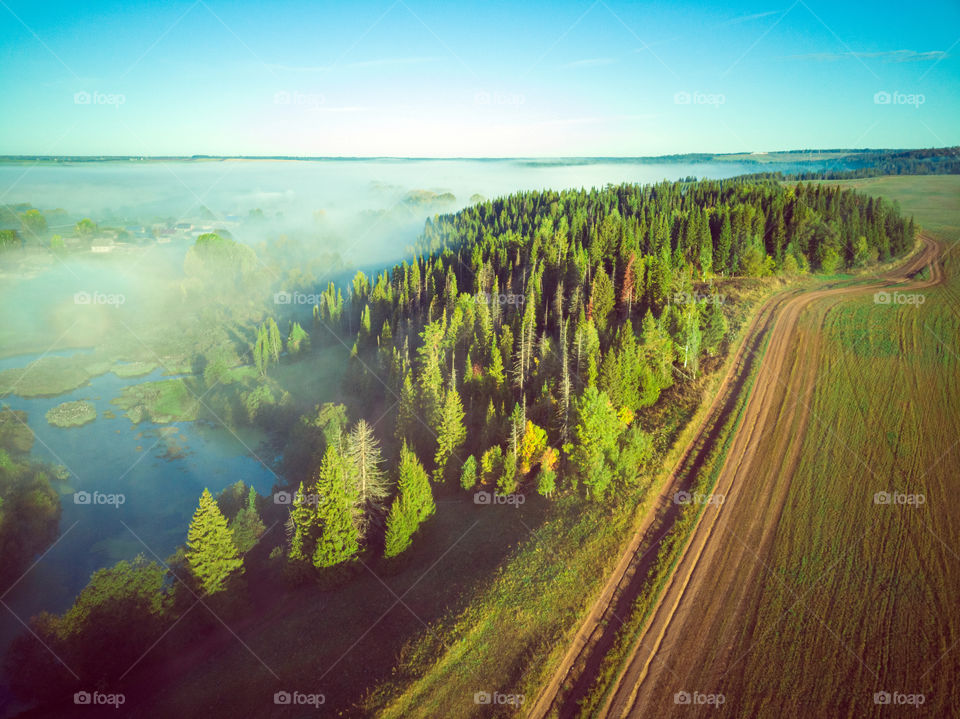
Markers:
<point>778,317</point>
<point>775,418</point>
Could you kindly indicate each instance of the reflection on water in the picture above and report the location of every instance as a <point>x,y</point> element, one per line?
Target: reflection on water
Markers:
<point>160,469</point>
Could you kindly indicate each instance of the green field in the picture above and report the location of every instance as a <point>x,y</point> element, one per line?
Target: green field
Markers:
<point>878,581</point>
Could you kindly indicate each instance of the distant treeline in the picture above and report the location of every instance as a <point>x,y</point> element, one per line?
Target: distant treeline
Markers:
<point>873,163</point>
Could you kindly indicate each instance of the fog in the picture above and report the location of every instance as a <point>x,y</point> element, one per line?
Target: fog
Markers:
<point>311,220</point>
<point>80,304</point>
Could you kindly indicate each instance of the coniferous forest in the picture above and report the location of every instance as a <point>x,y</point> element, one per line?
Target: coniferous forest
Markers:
<point>510,356</point>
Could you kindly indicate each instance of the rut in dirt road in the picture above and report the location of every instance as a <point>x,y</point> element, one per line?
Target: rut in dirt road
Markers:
<point>776,319</point>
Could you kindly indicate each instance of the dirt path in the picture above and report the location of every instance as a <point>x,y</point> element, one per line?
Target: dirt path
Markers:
<point>772,405</point>
<point>739,532</point>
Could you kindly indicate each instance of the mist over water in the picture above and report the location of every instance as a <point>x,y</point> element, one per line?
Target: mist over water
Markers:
<point>312,221</point>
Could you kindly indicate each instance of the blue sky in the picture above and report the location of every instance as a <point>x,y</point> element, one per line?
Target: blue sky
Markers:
<point>441,79</point>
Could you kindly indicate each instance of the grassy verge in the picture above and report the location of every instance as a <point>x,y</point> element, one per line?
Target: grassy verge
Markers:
<point>670,552</point>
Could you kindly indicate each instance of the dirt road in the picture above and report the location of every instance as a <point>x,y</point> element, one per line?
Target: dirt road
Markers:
<point>772,426</point>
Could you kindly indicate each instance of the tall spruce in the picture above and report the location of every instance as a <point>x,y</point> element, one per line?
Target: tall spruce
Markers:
<point>211,553</point>
<point>412,506</point>
<point>339,538</point>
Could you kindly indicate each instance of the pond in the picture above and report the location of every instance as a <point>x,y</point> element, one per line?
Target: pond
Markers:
<point>159,469</point>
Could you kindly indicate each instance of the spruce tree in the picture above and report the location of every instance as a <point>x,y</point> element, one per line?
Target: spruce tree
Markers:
<point>274,342</point>
<point>211,553</point>
<point>451,432</point>
<point>407,412</point>
<point>339,539</point>
<point>468,473</point>
<point>369,484</point>
<point>412,506</point>
<point>247,527</point>
<point>304,519</point>
<point>714,327</point>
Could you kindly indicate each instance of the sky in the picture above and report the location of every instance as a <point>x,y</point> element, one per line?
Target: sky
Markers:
<point>425,78</point>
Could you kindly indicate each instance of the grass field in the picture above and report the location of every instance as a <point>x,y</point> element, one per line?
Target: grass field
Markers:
<point>880,581</point>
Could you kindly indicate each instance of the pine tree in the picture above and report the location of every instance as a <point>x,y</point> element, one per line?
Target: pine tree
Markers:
<point>565,384</point>
<point>339,538</point>
<point>714,327</point>
<point>274,342</point>
<point>260,352</point>
<point>468,473</point>
<point>596,440</point>
<point>451,432</point>
<point>247,527</point>
<point>211,553</point>
<point>430,376</point>
<point>297,339</point>
<point>369,484</point>
<point>722,257</point>
<point>495,369</point>
<point>303,515</point>
<point>412,506</point>
<point>407,412</point>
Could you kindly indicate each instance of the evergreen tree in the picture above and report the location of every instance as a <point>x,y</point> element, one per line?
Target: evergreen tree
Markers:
<point>412,506</point>
<point>211,553</point>
<point>450,433</point>
<point>260,352</point>
<point>407,412</point>
<point>369,484</point>
<point>297,339</point>
<point>596,433</point>
<point>468,473</point>
<point>247,527</point>
<point>339,538</point>
<point>715,327</point>
<point>304,518</point>
<point>274,342</point>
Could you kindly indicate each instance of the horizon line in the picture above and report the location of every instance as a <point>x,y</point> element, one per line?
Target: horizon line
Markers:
<point>67,157</point>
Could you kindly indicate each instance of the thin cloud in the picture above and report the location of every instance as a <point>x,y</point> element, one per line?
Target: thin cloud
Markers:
<point>387,61</point>
<point>886,56</point>
<point>345,108</point>
<point>749,18</point>
<point>378,62</point>
<point>589,62</point>
<point>566,121</point>
<point>298,68</point>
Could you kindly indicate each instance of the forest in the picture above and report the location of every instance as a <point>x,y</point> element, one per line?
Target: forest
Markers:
<point>510,355</point>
